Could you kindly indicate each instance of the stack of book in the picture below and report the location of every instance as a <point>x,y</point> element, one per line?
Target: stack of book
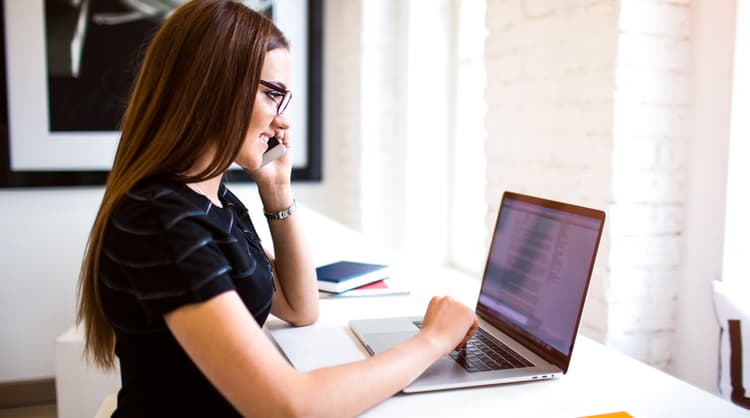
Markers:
<point>352,278</point>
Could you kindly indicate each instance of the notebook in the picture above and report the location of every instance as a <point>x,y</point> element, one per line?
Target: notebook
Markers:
<point>530,302</point>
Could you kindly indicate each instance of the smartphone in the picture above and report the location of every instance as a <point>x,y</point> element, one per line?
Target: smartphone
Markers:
<point>275,150</point>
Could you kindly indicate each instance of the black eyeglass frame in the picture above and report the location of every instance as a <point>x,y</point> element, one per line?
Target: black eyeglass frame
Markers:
<point>284,102</point>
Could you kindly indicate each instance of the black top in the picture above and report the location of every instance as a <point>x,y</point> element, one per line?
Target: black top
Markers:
<point>166,246</point>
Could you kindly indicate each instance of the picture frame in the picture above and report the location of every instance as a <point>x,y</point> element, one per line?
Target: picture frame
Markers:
<point>40,147</point>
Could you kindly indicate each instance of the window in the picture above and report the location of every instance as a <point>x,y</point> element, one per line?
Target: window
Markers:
<point>468,231</point>
<point>737,226</point>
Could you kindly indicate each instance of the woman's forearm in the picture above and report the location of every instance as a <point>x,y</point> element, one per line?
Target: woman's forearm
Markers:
<point>352,388</point>
<point>296,298</point>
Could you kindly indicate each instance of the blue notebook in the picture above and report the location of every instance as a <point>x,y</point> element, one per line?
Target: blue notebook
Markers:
<point>345,275</point>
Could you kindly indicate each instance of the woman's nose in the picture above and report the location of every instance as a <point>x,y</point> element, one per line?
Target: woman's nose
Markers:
<point>280,122</point>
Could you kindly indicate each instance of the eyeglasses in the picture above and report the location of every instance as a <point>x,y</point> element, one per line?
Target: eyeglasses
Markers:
<point>279,95</point>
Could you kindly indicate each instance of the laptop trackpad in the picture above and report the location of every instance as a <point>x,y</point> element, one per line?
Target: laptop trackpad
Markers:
<point>379,342</point>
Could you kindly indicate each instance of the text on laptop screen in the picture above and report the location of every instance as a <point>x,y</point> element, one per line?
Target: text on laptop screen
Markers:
<point>537,269</point>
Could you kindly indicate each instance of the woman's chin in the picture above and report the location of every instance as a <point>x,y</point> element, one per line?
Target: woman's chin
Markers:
<point>249,164</point>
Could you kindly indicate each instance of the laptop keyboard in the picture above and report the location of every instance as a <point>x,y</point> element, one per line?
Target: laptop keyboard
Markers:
<point>485,353</point>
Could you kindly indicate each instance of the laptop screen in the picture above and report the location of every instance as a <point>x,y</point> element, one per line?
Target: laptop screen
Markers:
<point>538,269</point>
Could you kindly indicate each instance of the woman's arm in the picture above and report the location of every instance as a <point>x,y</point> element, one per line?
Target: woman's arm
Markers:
<point>226,344</point>
<point>296,296</point>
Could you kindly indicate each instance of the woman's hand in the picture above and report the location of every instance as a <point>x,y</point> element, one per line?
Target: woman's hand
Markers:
<point>279,170</point>
<point>448,324</point>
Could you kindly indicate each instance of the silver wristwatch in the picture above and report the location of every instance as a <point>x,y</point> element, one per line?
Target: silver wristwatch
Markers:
<point>282,214</point>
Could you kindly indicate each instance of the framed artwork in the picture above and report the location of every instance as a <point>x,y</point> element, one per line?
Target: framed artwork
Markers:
<point>67,67</point>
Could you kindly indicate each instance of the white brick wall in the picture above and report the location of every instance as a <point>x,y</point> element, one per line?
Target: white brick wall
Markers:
<point>343,120</point>
<point>649,184</point>
<point>550,71</point>
<point>387,127</point>
<point>589,103</point>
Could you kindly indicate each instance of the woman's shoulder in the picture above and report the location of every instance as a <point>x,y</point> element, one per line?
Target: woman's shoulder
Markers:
<point>158,205</point>
<point>157,220</point>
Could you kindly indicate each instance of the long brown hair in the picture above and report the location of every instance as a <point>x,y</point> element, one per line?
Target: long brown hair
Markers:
<point>193,97</point>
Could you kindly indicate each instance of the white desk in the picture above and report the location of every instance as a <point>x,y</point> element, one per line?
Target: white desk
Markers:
<point>599,380</point>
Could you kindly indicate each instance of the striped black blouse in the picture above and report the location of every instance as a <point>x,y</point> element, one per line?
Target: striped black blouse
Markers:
<point>165,247</point>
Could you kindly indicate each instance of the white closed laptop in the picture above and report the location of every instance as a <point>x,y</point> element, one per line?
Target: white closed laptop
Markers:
<point>535,282</point>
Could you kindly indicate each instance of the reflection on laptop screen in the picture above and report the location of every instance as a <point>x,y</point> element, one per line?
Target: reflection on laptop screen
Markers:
<point>537,269</point>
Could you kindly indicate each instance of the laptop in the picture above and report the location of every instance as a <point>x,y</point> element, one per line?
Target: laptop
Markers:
<point>530,303</point>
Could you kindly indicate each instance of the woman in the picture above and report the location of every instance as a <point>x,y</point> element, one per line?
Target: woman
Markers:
<point>175,281</point>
